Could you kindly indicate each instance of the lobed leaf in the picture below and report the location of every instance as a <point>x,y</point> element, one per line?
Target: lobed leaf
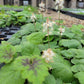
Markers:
<point>7,52</point>
<point>33,68</point>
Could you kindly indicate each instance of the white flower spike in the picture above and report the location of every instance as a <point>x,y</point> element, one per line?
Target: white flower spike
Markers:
<point>48,55</point>
<point>29,9</point>
<point>42,6</point>
<point>48,26</point>
<point>33,18</point>
<point>59,4</point>
<point>62,30</point>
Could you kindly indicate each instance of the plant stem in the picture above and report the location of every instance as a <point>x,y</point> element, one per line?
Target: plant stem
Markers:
<point>42,16</point>
<point>48,37</point>
<point>60,36</point>
<point>35,26</point>
<point>59,17</point>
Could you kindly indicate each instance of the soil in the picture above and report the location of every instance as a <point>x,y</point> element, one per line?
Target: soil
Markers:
<point>68,20</point>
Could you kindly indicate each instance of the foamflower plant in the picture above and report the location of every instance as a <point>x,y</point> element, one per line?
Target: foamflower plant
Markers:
<point>48,55</point>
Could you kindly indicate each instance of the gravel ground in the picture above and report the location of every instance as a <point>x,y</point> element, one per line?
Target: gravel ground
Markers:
<point>68,20</point>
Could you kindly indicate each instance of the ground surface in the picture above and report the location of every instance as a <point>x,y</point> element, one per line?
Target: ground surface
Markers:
<point>68,20</point>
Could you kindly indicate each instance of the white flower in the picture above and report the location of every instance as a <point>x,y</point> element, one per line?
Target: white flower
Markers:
<point>48,55</point>
<point>33,17</point>
<point>42,7</point>
<point>62,30</point>
<point>59,4</point>
<point>53,22</point>
<point>29,8</point>
<point>39,11</point>
<point>48,26</point>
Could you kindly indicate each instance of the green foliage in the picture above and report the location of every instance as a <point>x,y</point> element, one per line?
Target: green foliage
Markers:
<point>7,52</point>
<point>80,77</point>
<point>77,61</point>
<point>14,41</point>
<point>23,52</point>
<point>36,38</point>
<point>49,80</point>
<point>77,68</point>
<point>68,53</point>
<point>60,66</point>
<point>8,76</point>
<point>82,41</point>
<point>76,29</point>
<point>18,18</point>
<point>70,43</point>
<point>79,53</point>
<point>59,81</point>
<point>29,49</point>
<point>38,26</point>
<point>68,34</point>
<point>32,68</point>
<point>27,29</point>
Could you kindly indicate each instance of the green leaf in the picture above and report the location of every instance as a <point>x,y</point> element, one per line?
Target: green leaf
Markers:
<point>14,41</point>
<point>18,48</point>
<point>29,49</point>
<point>36,38</point>
<point>68,53</point>
<point>78,68</point>
<point>76,30</point>
<point>79,53</point>
<point>7,52</point>
<point>46,46</point>
<point>21,19</point>
<point>49,80</point>
<point>68,34</point>
<point>77,61</point>
<point>82,41</point>
<point>59,81</point>
<point>80,77</point>
<point>33,68</point>
<point>10,76</point>
<point>38,26</point>
<point>70,43</point>
<point>60,66</point>
<point>27,29</point>
<point>50,38</point>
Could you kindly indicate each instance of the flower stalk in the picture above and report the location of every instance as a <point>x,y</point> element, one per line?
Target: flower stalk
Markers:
<point>48,27</point>
<point>48,33</point>
<point>59,5</point>
<point>61,31</point>
<point>33,18</point>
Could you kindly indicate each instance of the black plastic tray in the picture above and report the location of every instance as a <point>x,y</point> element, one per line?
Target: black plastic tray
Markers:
<point>17,10</point>
<point>70,14</point>
<point>6,33</point>
<point>73,14</point>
